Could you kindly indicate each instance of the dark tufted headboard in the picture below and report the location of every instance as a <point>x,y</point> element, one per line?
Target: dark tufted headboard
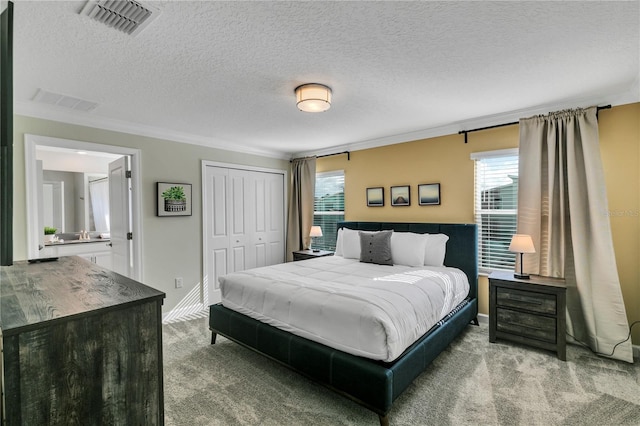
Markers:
<point>462,247</point>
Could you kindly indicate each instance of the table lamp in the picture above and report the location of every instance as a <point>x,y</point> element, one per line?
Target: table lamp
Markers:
<point>316,232</point>
<point>521,243</point>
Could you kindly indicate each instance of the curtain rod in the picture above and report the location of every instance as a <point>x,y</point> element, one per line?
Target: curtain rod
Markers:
<point>329,155</point>
<point>464,132</point>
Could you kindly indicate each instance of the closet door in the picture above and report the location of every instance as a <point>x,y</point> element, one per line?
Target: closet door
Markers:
<point>216,256</point>
<point>241,194</point>
<point>244,222</point>
<point>258,187</point>
<point>275,245</point>
<point>266,238</point>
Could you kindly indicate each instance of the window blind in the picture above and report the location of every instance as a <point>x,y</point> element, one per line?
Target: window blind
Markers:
<point>328,207</point>
<point>496,207</point>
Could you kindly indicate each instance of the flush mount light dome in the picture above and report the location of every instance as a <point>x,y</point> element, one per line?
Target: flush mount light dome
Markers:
<point>313,97</point>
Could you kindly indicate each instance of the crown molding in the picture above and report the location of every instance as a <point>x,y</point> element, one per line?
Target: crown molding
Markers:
<point>631,95</point>
<point>30,109</point>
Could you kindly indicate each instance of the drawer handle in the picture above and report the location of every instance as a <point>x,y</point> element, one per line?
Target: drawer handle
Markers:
<point>526,300</point>
<point>532,327</point>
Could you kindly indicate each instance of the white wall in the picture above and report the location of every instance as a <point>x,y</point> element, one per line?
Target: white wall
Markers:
<point>171,246</point>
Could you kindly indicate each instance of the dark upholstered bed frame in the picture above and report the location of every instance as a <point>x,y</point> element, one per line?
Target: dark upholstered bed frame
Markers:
<point>373,384</point>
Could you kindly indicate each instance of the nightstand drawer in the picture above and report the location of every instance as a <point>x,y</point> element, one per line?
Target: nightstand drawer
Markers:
<point>534,302</point>
<point>527,325</point>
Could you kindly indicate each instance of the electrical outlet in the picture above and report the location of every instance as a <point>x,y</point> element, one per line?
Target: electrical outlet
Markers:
<point>179,282</point>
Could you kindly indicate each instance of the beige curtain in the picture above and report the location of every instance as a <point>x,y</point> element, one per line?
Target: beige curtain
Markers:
<point>562,204</point>
<point>303,185</point>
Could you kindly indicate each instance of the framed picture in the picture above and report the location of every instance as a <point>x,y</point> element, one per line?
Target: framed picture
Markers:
<point>375,197</point>
<point>174,199</point>
<point>400,195</point>
<point>429,194</point>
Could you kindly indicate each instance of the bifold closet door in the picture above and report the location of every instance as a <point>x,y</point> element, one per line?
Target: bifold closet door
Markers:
<point>245,222</point>
<point>265,218</point>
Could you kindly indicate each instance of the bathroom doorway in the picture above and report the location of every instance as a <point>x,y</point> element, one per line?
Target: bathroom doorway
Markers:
<point>82,168</point>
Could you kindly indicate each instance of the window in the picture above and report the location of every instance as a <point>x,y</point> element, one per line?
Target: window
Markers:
<point>328,208</point>
<point>496,206</point>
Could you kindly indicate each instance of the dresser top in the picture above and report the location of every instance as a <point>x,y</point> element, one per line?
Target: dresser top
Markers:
<point>69,288</point>
<point>533,279</point>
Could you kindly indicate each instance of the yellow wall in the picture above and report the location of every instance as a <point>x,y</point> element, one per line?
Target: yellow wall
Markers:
<point>447,160</point>
<point>620,148</point>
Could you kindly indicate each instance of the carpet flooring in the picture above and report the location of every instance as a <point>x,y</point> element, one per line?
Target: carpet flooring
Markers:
<point>473,382</point>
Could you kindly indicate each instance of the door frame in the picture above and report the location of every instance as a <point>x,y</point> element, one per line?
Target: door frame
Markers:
<point>205,197</point>
<point>32,141</point>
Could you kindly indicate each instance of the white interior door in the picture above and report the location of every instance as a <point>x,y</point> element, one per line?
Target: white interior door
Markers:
<point>259,220</point>
<point>216,229</point>
<point>266,238</point>
<point>242,257</point>
<point>275,220</point>
<point>39,235</point>
<point>243,221</point>
<point>120,216</point>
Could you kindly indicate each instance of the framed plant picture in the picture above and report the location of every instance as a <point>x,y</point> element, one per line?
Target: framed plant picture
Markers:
<point>400,195</point>
<point>429,194</point>
<point>174,199</point>
<point>375,197</point>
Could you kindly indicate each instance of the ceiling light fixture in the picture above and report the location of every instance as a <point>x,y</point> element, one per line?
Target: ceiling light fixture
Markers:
<point>313,97</point>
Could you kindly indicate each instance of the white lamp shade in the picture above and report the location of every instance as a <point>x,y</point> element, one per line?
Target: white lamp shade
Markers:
<point>313,97</point>
<point>522,243</point>
<point>316,231</point>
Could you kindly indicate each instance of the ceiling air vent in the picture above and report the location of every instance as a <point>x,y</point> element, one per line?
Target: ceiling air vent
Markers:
<point>127,16</point>
<point>52,98</point>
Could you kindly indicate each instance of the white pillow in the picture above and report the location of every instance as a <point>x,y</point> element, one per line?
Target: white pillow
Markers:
<point>339,243</point>
<point>408,248</point>
<point>435,249</point>
<point>350,244</point>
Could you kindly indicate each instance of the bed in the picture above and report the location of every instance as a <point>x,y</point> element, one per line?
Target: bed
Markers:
<point>373,383</point>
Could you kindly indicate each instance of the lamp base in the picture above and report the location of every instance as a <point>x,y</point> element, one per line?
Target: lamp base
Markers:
<point>521,276</point>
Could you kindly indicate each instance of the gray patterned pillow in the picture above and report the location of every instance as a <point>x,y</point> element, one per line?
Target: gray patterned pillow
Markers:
<point>376,247</point>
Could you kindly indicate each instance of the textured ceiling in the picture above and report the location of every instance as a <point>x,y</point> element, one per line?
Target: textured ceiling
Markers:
<point>222,74</point>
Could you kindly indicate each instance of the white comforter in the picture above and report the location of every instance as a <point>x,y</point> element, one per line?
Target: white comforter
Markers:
<point>368,310</point>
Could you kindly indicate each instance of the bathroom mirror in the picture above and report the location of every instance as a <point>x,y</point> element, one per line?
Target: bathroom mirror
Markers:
<point>75,201</point>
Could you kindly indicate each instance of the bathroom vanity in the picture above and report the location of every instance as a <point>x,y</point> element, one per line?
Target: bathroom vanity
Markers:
<point>96,250</point>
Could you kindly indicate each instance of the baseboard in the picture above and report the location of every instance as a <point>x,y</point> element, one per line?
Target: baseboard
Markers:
<point>197,310</point>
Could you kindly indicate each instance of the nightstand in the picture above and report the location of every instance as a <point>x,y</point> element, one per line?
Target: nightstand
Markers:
<point>530,312</point>
<point>310,254</point>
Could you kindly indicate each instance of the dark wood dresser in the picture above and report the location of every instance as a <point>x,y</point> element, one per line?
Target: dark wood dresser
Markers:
<point>529,311</point>
<point>82,346</point>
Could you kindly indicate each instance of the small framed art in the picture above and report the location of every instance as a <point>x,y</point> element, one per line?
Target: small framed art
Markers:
<point>375,197</point>
<point>174,199</point>
<point>429,194</point>
<point>400,195</point>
